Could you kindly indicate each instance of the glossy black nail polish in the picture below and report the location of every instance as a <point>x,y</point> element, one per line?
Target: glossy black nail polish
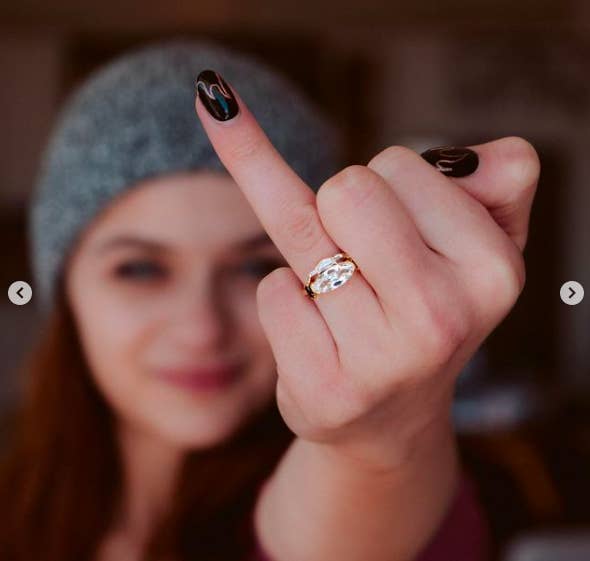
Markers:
<point>216,95</point>
<point>454,161</point>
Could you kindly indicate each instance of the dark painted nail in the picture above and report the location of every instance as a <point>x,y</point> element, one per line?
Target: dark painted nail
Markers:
<point>455,161</point>
<point>216,95</point>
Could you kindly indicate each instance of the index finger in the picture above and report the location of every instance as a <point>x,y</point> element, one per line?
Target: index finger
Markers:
<point>284,203</point>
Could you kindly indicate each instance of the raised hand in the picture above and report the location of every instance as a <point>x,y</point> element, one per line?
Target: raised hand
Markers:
<point>369,367</point>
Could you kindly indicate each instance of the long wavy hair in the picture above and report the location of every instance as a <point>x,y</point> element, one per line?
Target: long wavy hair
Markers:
<point>61,481</point>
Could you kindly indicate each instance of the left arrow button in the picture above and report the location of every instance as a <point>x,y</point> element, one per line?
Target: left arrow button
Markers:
<point>20,292</point>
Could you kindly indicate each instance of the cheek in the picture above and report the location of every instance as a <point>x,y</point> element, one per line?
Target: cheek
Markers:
<point>113,336</point>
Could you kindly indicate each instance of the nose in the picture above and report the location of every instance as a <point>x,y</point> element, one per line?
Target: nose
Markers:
<point>198,318</point>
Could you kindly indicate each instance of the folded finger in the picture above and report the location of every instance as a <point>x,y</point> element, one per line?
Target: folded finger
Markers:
<point>501,174</point>
<point>451,221</point>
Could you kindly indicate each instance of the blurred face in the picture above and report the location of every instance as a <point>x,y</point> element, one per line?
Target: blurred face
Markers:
<point>162,286</point>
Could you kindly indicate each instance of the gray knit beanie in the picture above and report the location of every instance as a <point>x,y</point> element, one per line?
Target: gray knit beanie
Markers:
<point>135,118</point>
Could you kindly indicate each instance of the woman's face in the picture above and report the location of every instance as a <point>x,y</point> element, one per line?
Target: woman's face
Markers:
<point>162,286</point>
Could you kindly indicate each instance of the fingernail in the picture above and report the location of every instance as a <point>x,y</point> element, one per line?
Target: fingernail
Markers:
<point>454,161</point>
<point>216,95</point>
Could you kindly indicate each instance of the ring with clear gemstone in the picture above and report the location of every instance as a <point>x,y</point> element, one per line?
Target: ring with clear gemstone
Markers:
<point>329,274</point>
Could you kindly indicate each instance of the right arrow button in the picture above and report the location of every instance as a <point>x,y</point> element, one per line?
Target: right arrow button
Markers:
<point>571,293</point>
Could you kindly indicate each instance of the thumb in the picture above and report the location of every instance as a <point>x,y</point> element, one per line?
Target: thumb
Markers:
<point>504,181</point>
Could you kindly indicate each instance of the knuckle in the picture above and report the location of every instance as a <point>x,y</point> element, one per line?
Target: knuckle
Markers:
<point>505,277</point>
<point>247,147</point>
<point>348,177</point>
<point>351,175</point>
<point>357,399</point>
<point>332,417</point>
<point>328,418</point>
<point>276,281</point>
<point>392,158</point>
<point>525,165</point>
<point>302,227</point>
<point>284,399</point>
<point>447,330</point>
<point>355,184</point>
<point>444,341</point>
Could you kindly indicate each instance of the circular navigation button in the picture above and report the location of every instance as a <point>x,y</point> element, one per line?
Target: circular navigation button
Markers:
<point>571,293</point>
<point>20,292</point>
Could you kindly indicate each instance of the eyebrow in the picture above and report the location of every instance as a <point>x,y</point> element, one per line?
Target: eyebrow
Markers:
<point>258,240</point>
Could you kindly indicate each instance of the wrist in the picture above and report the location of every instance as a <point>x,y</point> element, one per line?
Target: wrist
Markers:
<point>384,450</point>
<point>433,445</point>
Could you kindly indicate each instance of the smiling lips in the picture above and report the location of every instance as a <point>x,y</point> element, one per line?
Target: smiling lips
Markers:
<point>202,379</point>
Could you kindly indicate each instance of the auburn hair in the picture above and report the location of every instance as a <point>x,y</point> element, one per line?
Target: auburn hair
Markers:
<point>61,475</point>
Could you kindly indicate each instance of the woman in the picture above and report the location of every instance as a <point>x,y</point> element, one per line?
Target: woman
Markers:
<point>177,308</point>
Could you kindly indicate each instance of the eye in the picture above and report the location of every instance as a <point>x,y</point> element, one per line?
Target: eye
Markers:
<point>140,270</point>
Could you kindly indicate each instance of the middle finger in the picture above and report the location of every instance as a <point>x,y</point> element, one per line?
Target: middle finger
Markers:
<point>286,207</point>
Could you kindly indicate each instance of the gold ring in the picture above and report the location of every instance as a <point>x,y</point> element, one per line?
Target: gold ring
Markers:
<point>329,274</point>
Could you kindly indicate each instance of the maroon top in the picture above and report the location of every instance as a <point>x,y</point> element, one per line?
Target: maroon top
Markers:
<point>462,536</point>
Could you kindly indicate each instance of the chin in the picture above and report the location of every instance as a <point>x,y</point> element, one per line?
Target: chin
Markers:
<point>190,422</point>
<point>198,433</point>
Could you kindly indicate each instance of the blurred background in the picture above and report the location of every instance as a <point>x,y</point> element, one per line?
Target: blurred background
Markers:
<point>389,72</point>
